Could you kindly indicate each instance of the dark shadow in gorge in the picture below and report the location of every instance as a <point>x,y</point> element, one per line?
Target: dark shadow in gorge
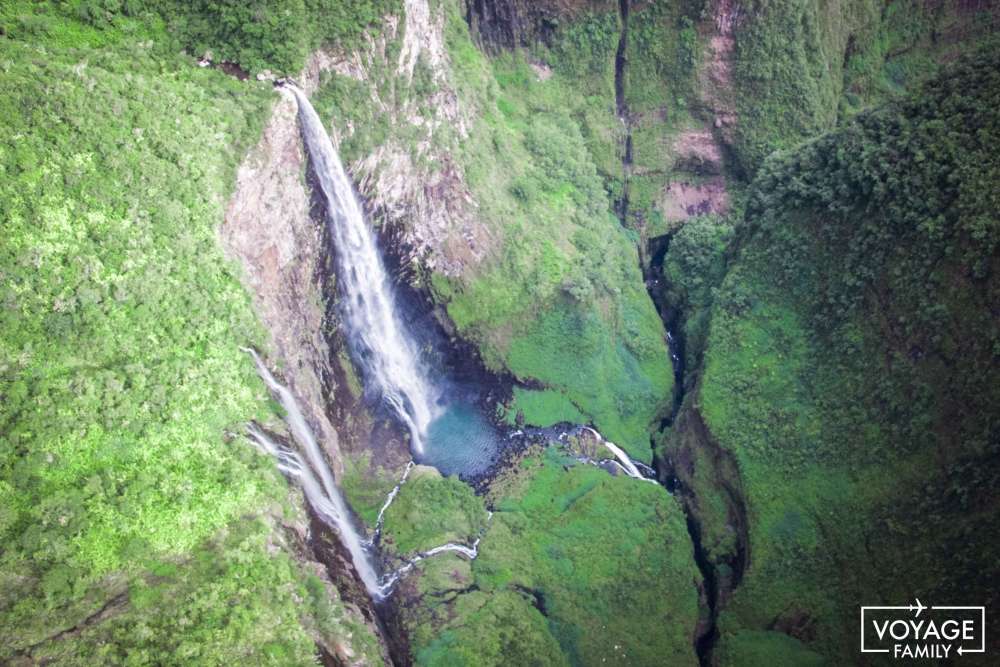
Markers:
<point>692,444</point>
<point>652,272</point>
<point>670,315</point>
<point>622,110</point>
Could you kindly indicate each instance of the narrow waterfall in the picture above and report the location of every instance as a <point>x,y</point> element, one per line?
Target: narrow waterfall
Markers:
<point>315,476</point>
<point>626,463</point>
<point>381,345</point>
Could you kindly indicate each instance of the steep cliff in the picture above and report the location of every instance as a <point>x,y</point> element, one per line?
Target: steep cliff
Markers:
<point>493,188</point>
<point>852,349</point>
<point>556,185</point>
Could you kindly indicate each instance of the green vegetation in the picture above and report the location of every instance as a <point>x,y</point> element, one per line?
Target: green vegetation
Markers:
<point>495,629</point>
<point>764,649</point>
<point>276,34</point>
<point>258,35</point>
<point>578,566</point>
<point>844,330</point>
<point>562,302</point>
<point>558,300</point>
<point>120,374</point>
<point>799,66</point>
<point>693,268</point>
<point>542,408</point>
<point>429,511</point>
<point>660,93</point>
<point>854,348</point>
<point>365,486</point>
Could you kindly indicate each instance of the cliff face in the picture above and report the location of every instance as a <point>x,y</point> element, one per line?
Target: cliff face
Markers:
<point>509,24</point>
<point>836,443</point>
<point>832,390</point>
<point>452,151</point>
<point>282,249</point>
<point>451,171</point>
<point>281,243</point>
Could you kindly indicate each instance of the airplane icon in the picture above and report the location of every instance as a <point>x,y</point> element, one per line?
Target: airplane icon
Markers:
<point>919,607</point>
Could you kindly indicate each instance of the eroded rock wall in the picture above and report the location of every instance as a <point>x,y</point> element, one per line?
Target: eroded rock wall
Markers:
<point>269,231</point>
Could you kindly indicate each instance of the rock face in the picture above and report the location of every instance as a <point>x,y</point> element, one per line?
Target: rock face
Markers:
<point>507,24</point>
<point>703,468</point>
<point>269,230</point>
<point>715,77</point>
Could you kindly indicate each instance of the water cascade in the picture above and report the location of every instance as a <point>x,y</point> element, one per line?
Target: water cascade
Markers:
<point>449,433</point>
<point>470,552</point>
<point>380,343</point>
<point>626,463</point>
<point>315,476</point>
<point>380,520</point>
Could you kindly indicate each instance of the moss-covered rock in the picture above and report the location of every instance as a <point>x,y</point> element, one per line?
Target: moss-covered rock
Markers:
<point>851,374</point>
<point>591,568</point>
<point>431,510</point>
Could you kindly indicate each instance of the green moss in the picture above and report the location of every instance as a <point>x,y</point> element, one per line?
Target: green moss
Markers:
<point>543,408</point>
<point>693,269</point>
<point>501,629</point>
<point>564,287</point>
<point>762,649</point>
<point>366,486</point>
<point>620,388</point>
<point>583,541</point>
<point>606,560</point>
<point>429,511</point>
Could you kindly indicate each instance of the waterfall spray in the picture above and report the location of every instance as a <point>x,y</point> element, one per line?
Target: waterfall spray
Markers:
<point>381,345</point>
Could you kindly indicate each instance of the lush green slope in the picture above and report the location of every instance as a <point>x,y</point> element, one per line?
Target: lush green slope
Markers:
<point>800,66</point>
<point>134,528</point>
<point>576,567</point>
<point>431,510</point>
<point>564,304</point>
<point>853,372</point>
<point>261,35</point>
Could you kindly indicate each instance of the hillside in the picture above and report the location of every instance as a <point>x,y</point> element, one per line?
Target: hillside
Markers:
<point>676,338</point>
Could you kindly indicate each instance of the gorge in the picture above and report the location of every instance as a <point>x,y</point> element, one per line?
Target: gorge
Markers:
<point>453,332</point>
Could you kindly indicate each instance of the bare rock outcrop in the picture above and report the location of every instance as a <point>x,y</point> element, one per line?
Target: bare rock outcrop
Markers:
<point>716,77</point>
<point>268,230</point>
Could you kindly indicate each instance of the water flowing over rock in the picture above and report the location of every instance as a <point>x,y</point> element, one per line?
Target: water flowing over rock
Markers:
<point>314,474</point>
<point>634,469</point>
<point>269,232</point>
<point>381,345</point>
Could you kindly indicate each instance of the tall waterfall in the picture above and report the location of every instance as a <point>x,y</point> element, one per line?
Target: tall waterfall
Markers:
<point>315,476</point>
<point>381,344</point>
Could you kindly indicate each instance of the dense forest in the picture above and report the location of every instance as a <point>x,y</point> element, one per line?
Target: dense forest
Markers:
<point>714,283</point>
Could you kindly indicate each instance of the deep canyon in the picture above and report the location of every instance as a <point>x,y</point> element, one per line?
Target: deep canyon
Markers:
<point>469,332</point>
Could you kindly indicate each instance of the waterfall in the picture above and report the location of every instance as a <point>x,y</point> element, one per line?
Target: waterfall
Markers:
<point>380,519</point>
<point>380,343</point>
<point>315,476</point>
<point>630,467</point>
